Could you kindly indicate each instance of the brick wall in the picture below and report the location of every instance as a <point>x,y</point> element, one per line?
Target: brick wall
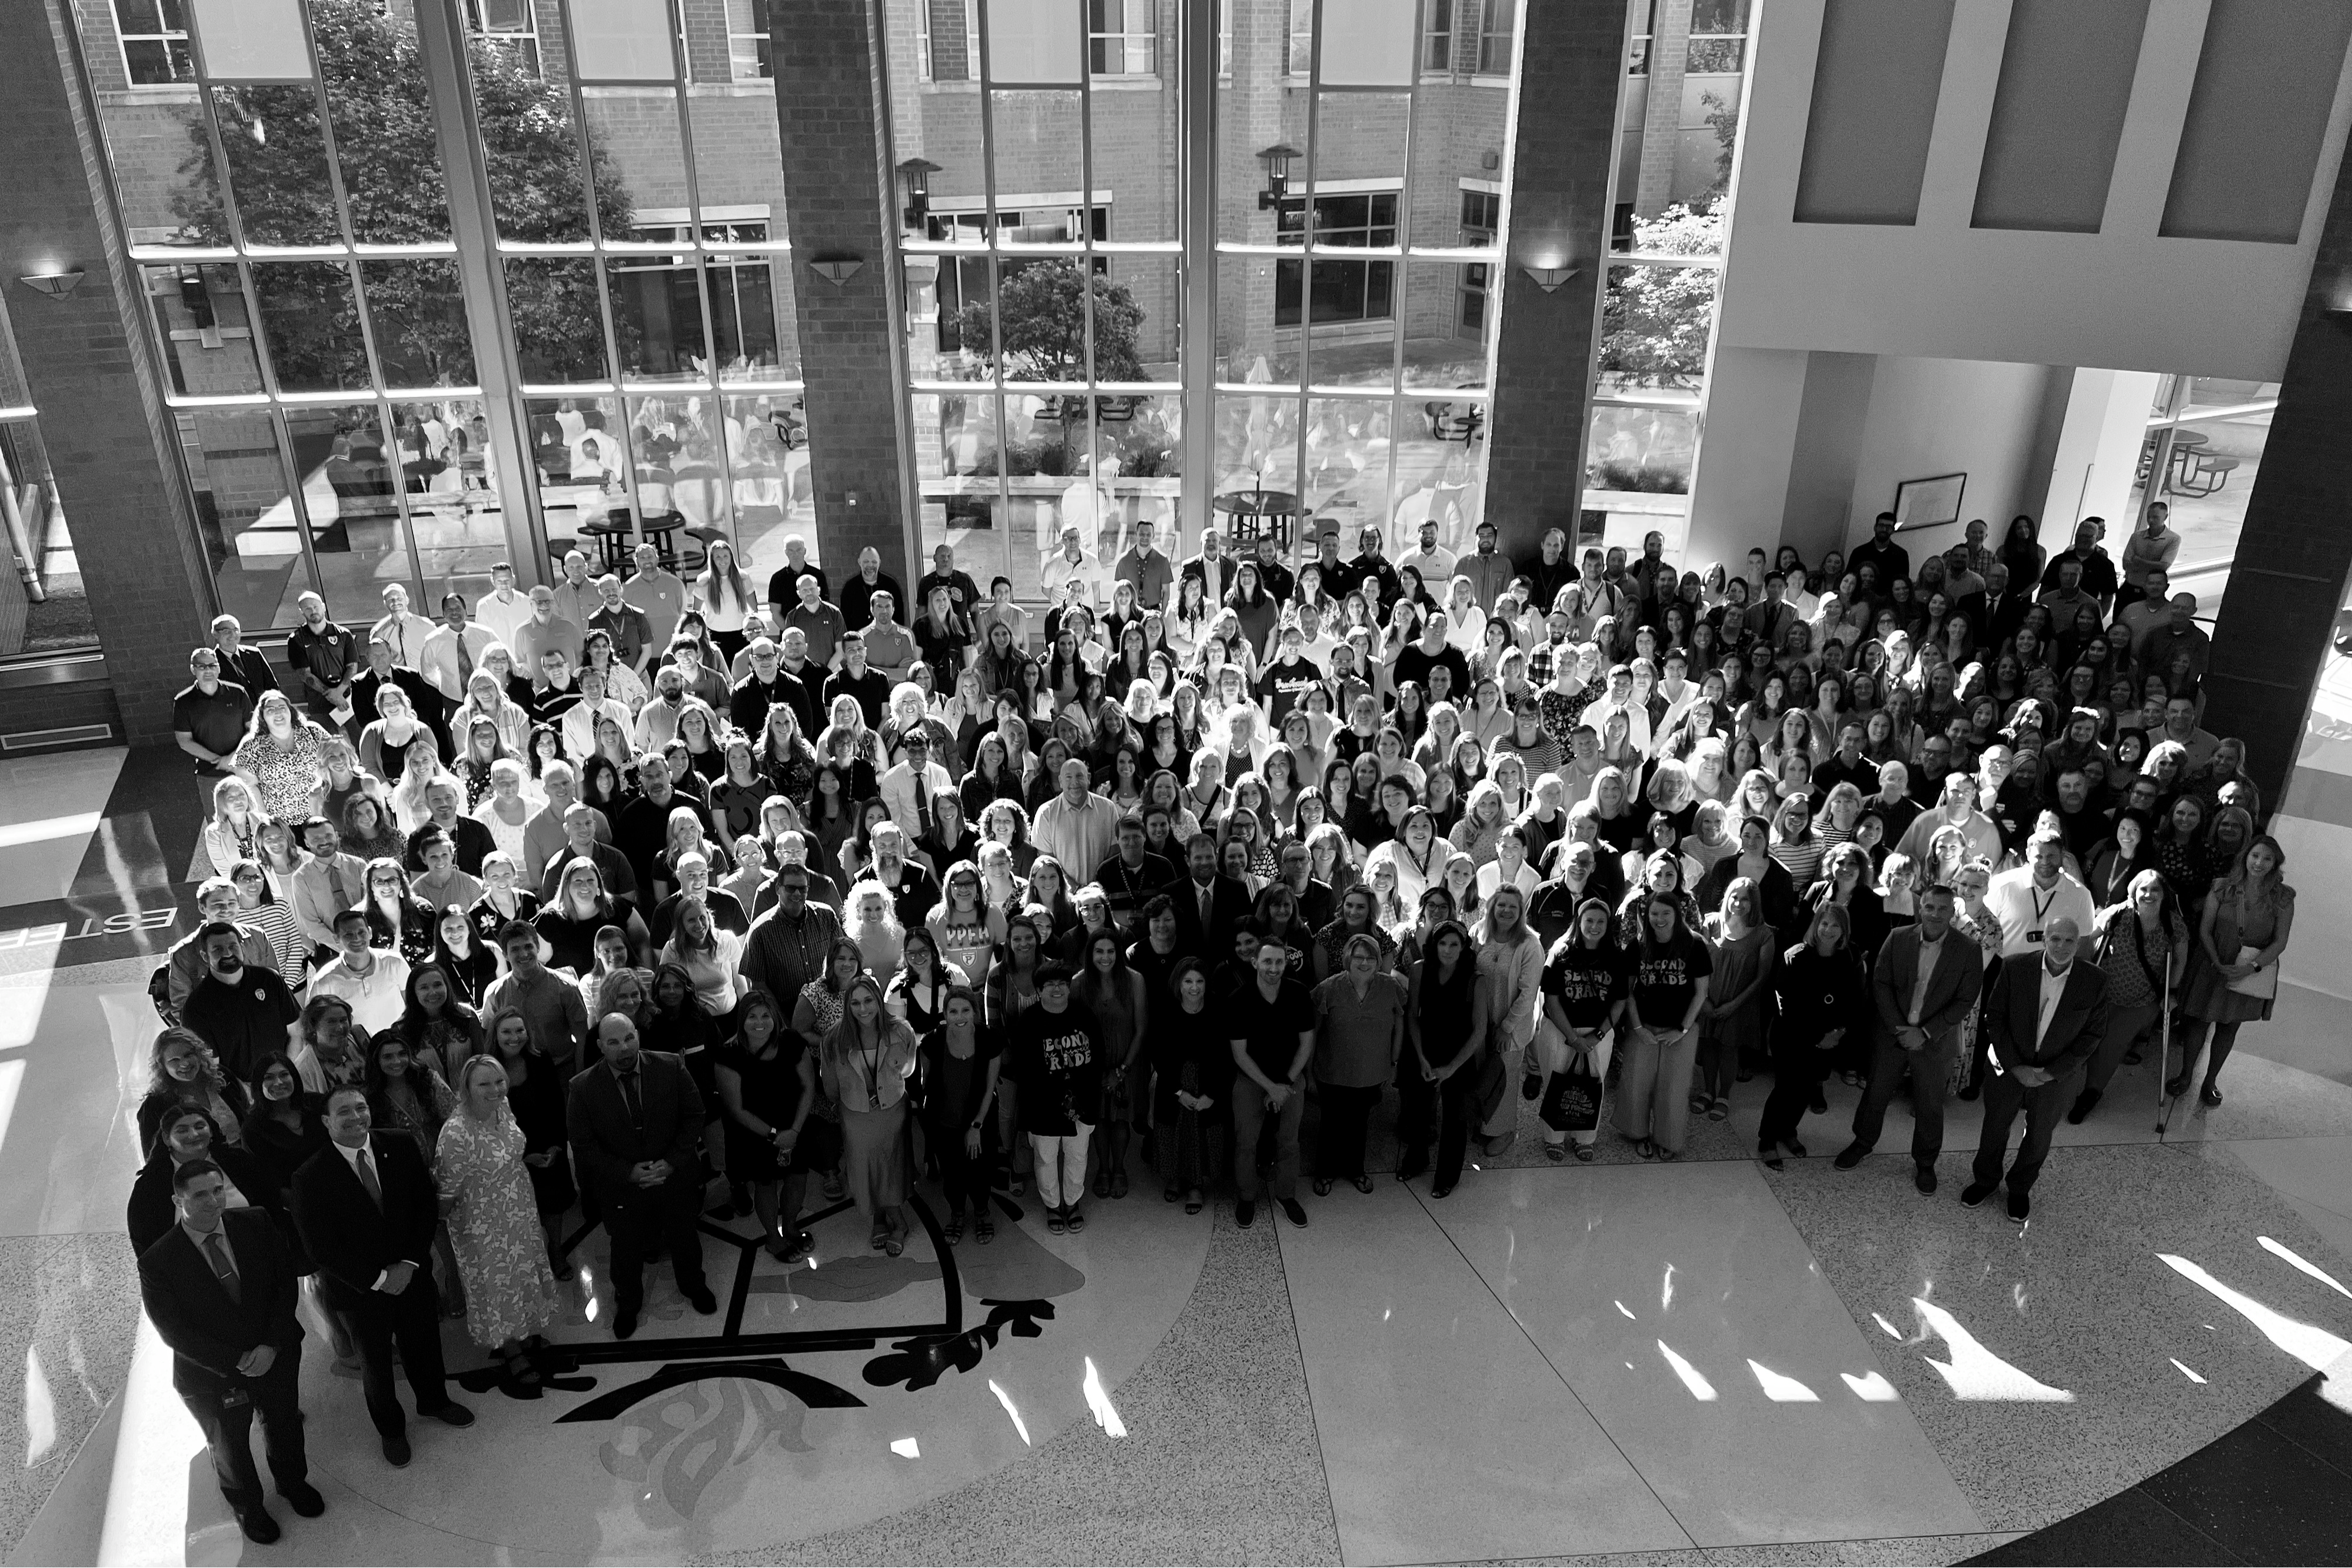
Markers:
<point>1573,53</point>
<point>2296,550</point>
<point>830,99</point>
<point>87,364</point>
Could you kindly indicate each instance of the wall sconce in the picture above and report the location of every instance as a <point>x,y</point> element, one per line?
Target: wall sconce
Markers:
<point>56,284</point>
<point>837,269</point>
<point>918,172</point>
<point>1276,159</point>
<point>2339,314</point>
<point>1549,277</point>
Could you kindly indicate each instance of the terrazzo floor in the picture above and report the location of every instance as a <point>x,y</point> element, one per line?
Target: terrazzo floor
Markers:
<point>1700,1362</point>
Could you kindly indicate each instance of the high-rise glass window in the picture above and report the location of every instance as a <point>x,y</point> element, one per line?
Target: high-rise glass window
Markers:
<point>325,344</point>
<point>1037,205</point>
<point>749,41</point>
<point>43,607</point>
<point>154,36</point>
<point>2200,459</point>
<point>1358,248</point>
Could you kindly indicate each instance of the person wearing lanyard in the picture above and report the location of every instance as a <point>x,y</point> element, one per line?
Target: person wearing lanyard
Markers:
<point>2025,899</point>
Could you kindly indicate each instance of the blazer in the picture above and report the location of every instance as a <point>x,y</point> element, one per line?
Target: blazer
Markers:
<point>343,1232</point>
<point>606,1143</point>
<point>150,1211</point>
<point>1229,911</point>
<point>2075,1029</point>
<point>191,1308</point>
<point>1952,990</point>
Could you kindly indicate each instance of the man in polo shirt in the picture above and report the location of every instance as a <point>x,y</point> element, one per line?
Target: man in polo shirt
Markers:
<point>858,591</point>
<point>784,584</point>
<point>209,720</point>
<point>870,686</point>
<point>1131,873</point>
<point>372,979</point>
<point>551,1007</point>
<point>544,630</point>
<point>792,939</point>
<point>1435,564</point>
<point>888,648</point>
<point>819,622</point>
<point>658,594</point>
<point>1488,569</point>
<point>327,656</point>
<point>963,594</point>
<point>631,630</point>
<point>1146,567</point>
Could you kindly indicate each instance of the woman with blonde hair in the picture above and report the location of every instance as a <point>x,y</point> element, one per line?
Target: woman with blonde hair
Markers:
<point>870,921</point>
<point>2245,925</point>
<point>229,832</point>
<point>492,1219</point>
<point>865,1062</point>
<point>1482,824</point>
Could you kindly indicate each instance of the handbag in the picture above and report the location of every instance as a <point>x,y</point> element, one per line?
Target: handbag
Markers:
<point>1572,1100</point>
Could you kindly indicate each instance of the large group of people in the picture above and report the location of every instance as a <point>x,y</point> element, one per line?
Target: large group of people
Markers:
<point>628,896</point>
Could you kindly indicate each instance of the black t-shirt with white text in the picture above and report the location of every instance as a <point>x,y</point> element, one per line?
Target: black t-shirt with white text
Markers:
<point>1587,981</point>
<point>1057,1059</point>
<point>1283,687</point>
<point>1665,976</point>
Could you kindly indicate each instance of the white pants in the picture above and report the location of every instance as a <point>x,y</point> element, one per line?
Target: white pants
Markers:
<point>1062,1166</point>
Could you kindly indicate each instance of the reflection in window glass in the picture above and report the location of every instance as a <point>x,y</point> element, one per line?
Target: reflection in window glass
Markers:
<point>245,513</point>
<point>47,608</point>
<point>1654,326</point>
<point>277,166</point>
<point>2209,433</point>
<point>748,41</point>
<point>310,317</point>
<point>154,35</point>
<point>1122,37</point>
<point>558,325</point>
<point>201,321</point>
<point>359,527</point>
<point>418,317</point>
<point>382,121</point>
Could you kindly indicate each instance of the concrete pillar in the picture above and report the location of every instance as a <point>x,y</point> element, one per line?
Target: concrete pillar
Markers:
<point>2098,450</point>
<point>2296,549</point>
<point>831,101</point>
<point>1562,156</point>
<point>89,369</point>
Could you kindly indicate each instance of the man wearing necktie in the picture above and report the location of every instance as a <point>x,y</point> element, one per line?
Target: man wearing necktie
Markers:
<point>636,1120</point>
<point>219,1288</point>
<point>325,885</point>
<point>366,1207</point>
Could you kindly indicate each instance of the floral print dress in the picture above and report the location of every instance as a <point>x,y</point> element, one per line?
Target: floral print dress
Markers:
<point>494,1229</point>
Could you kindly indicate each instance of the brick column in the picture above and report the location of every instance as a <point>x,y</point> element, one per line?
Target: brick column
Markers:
<point>2296,552</point>
<point>87,367</point>
<point>1662,110</point>
<point>831,101</point>
<point>1574,67</point>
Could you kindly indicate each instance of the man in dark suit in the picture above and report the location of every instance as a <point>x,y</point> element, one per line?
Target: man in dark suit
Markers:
<point>2000,610</point>
<point>1210,907</point>
<point>634,1118</point>
<point>365,1208</point>
<point>1923,987</point>
<point>219,1288</point>
<point>2046,1015</point>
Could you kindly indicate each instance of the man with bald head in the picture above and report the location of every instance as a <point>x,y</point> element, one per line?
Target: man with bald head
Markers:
<point>2047,1014</point>
<point>635,1118</point>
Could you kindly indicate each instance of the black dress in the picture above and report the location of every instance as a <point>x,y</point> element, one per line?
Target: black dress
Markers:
<point>772,1093</point>
<point>538,1103</point>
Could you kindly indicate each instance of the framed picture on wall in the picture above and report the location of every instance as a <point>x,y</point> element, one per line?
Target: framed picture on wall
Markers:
<point>1924,503</point>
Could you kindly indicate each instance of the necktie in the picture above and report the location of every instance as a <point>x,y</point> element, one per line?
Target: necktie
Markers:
<point>632,1097</point>
<point>464,666</point>
<point>343,899</point>
<point>922,803</point>
<point>365,1165</point>
<point>216,1254</point>
<point>1207,890</point>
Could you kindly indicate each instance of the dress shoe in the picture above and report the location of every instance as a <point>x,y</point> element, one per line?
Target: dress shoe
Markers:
<point>1849,1156</point>
<point>2020,1204</point>
<point>449,1413</point>
<point>624,1323</point>
<point>1293,1211</point>
<point>258,1525</point>
<point>1246,1213</point>
<point>396,1451</point>
<point>1924,1179</point>
<point>2084,1104</point>
<point>702,1300</point>
<point>1975,1193</point>
<point>1973,1088</point>
<point>304,1499</point>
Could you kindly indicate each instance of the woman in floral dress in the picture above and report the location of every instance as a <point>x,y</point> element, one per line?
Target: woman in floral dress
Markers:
<point>493,1219</point>
<point>1982,927</point>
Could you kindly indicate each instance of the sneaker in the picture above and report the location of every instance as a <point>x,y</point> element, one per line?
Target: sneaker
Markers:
<point>1975,1193</point>
<point>1293,1211</point>
<point>1851,1155</point>
<point>1924,1179</point>
<point>2020,1204</point>
<point>1531,1086</point>
<point>1246,1213</point>
<point>258,1526</point>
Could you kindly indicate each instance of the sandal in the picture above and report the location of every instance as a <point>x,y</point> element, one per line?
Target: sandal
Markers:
<point>1194,1203</point>
<point>1102,1184</point>
<point>2211,1094</point>
<point>2174,1088</point>
<point>1665,1154</point>
<point>1364,1184</point>
<point>893,1244</point>
<point>1014,1186</point>
<point>1322,1186</point>
<point>1075,1221</point>
<point>519,1369</point>
<point>1119,1183</point>
<point>879,1241</point>
<point>1719,1112</point>
<point>1555,1153</point>
<point>1698,1104</point>
<point>1055,1223</point>
<point>1772,1160</point>
<point>983,1229</point>
<point>1646,1149</point>
<point>1584,1154</point>
<point>952,1230</point>
<point>1169,1195</point>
